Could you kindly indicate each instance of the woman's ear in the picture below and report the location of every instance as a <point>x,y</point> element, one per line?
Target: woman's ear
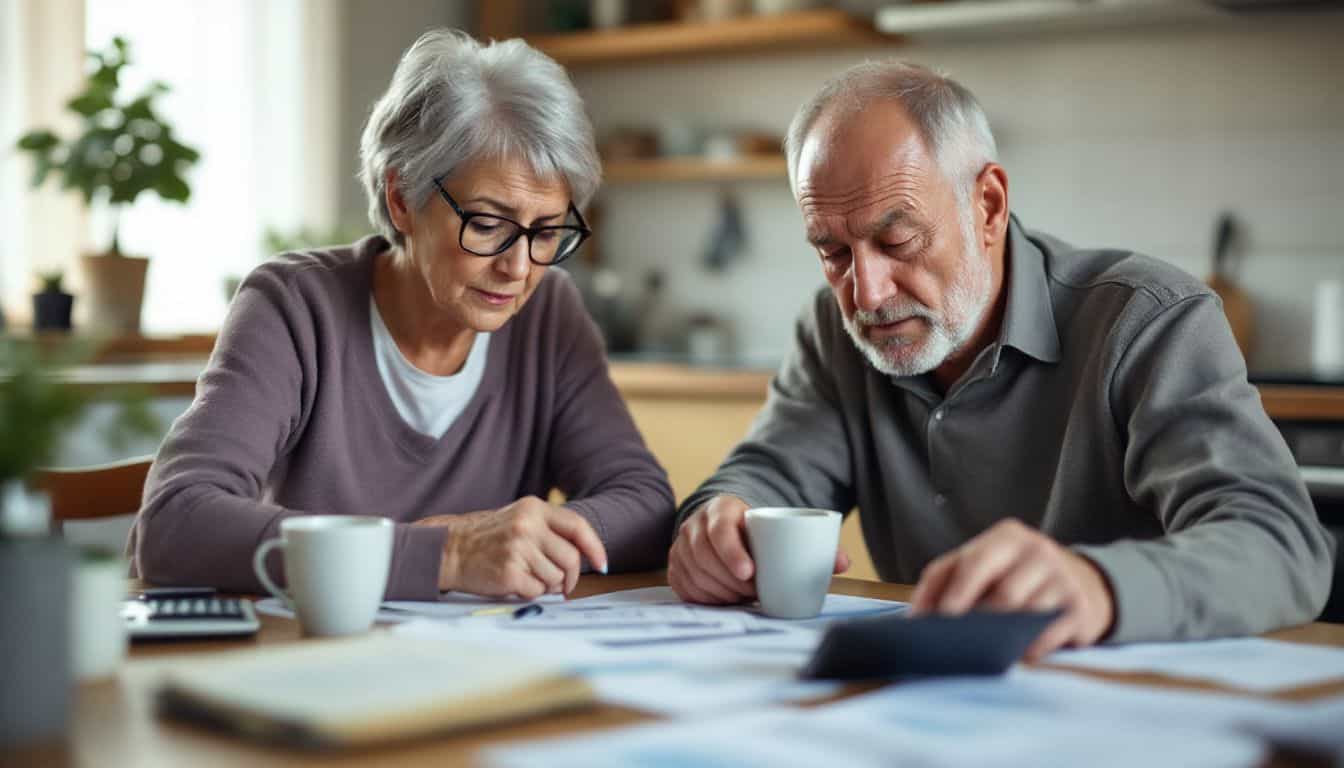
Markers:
<point>397,208</point>
<point>991,200</point>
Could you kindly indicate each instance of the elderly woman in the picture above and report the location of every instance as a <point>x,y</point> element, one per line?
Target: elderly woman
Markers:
<point>438,374</point>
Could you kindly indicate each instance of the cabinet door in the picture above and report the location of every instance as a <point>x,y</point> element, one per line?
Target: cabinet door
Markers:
<point>691,436</point>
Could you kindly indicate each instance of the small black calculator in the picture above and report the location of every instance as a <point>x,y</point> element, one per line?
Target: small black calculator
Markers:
<point>165,613</point>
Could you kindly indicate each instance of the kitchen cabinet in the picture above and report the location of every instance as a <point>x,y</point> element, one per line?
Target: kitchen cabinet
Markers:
<point>692,417</point>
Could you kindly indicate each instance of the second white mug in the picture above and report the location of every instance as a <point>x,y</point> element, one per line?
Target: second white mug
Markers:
<point>794,550</point>
<point>336,567</point>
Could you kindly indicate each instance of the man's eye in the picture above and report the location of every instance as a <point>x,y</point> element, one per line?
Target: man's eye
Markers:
<point>836,257</point>
<point>902,246</point>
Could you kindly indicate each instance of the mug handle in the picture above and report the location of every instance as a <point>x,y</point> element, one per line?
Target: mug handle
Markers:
<point>259,566</point>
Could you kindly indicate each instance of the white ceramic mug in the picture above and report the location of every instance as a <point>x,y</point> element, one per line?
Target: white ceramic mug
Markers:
<point>794,550</point>
<point>336,567</point>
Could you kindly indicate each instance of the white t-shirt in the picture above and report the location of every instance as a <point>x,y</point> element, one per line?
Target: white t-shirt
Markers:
<point>429,403</point>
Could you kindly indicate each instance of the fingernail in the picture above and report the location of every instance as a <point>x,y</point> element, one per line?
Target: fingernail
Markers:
<point>603,569</point>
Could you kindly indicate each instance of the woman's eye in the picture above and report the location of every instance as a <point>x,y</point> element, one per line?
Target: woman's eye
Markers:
<point>545,236</point>
<point>483,226</point>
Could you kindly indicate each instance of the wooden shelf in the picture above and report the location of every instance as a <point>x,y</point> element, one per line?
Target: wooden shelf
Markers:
<point>696,169</point>
<point>1303,403</point>
<point>784,32</point>
<point>995,17</point>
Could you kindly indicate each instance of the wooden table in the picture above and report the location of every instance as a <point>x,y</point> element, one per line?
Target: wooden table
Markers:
<point>113,721</point>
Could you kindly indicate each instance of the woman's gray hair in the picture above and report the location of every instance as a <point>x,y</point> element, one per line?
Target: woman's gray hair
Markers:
<point>948,117</point>
<point>453,101</point>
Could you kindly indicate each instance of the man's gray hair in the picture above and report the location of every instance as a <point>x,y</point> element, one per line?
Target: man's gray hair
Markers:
<point>949,119</point>
<point>453,101</point>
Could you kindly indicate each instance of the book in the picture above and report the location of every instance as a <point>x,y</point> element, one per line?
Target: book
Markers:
<point>371,689</point>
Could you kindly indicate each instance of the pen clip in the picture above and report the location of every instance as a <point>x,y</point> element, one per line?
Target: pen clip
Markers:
<point>531,609</point>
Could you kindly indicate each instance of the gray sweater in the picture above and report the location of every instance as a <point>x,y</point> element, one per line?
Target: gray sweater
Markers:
<point>1113,413</point>
<point>291,418</point>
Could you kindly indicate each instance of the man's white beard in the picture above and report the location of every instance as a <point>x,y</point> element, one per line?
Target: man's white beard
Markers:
<point>965,304</point>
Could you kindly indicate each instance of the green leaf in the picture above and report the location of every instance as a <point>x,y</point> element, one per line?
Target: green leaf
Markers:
<point>172,187</point>
<point>38,141</point>
<point>37,407</point>
<point>90,102</point>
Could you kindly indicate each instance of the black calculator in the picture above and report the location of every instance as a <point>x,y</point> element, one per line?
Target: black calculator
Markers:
<point>188,612</point>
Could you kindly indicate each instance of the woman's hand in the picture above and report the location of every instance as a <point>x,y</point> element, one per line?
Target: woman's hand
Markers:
<point>528,549</point>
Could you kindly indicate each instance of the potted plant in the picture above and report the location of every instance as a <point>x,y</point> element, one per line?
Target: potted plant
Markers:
<point>37,406</point>
<point>123,149</point>
<point>52,305</point>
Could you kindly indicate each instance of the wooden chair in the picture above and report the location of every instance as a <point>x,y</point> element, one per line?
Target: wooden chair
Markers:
<point>90,493</point>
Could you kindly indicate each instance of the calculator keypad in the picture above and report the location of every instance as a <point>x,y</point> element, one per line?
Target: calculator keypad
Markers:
<point>150,617</point>
<point>195,608</point>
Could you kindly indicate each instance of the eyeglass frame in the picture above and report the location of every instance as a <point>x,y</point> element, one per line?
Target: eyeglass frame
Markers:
<point>529,232</point>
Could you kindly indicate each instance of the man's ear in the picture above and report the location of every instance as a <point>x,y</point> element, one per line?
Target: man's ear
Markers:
<point>991,201</point>
<point>397,207</point>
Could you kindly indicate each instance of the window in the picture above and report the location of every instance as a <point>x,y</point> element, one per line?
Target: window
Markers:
<point>236,70</point>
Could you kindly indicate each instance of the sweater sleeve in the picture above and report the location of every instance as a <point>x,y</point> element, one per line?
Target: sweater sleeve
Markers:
<point>203,513</point>
<point>596,453</point>
<point>1243,551</point>
<point>797,452</point>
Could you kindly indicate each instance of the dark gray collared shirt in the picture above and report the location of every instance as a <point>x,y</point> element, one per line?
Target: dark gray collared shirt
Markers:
<point>1113,414</point>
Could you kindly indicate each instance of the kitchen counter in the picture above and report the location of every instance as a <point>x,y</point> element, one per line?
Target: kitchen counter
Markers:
<point>164,378</point>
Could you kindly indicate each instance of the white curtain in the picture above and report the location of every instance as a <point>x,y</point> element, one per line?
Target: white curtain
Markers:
<point>253,88</point>
<point>41,58</point>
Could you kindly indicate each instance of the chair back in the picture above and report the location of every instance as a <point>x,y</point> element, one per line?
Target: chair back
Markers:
<point>90,493</point>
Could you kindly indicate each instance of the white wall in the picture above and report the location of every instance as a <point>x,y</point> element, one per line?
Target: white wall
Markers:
<point>1132,139</point>
<point>377,32</point>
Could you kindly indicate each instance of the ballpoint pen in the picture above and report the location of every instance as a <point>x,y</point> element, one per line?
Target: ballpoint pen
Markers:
<point>531,609</point>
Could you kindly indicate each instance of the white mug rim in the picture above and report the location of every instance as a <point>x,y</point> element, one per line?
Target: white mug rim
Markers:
<point>791,513</point>
<point>321,523</point>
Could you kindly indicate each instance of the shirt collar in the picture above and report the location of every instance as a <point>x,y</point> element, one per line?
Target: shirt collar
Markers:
<point>1029,318</point>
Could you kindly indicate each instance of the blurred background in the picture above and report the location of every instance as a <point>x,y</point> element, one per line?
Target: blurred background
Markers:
<point>1148,125</point>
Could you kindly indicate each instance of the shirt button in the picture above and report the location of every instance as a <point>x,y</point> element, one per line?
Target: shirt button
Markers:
<point>940,499</point>
<point>938,414</point>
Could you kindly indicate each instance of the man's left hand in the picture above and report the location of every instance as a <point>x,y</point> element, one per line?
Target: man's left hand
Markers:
<point>1012,567</point>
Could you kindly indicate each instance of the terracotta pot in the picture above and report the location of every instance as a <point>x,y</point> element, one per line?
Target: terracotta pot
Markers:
<point>116,290</point>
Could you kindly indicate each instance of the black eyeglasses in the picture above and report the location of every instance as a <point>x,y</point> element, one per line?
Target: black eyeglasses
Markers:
<point>485,234</point>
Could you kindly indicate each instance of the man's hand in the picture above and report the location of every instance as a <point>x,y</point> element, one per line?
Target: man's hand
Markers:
<point>528,549</point>
<point>1012,567</point>
<point>709,562</point>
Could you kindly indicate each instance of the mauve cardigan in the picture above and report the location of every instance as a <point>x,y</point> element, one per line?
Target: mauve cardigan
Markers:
<point>292,418</point>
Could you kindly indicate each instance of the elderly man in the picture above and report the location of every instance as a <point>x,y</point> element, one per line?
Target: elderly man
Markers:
<point>1024,424</point>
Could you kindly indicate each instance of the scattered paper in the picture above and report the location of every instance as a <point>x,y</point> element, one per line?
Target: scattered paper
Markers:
<point>1004,721</point>
<point>450,605</point>
<point>646,649</point>
<point>1251,663</point>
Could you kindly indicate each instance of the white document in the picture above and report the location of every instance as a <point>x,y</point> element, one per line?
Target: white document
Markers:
<point>1251,663</point>
<point>835,608</point>
<point>450,605</point>
<point>646,649</point>
<point>1005,721</point>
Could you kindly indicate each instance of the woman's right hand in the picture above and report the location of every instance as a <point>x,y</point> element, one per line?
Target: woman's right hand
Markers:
<point>528,548</point>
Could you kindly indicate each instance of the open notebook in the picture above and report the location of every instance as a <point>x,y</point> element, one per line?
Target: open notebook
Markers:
<point>369,689</point>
